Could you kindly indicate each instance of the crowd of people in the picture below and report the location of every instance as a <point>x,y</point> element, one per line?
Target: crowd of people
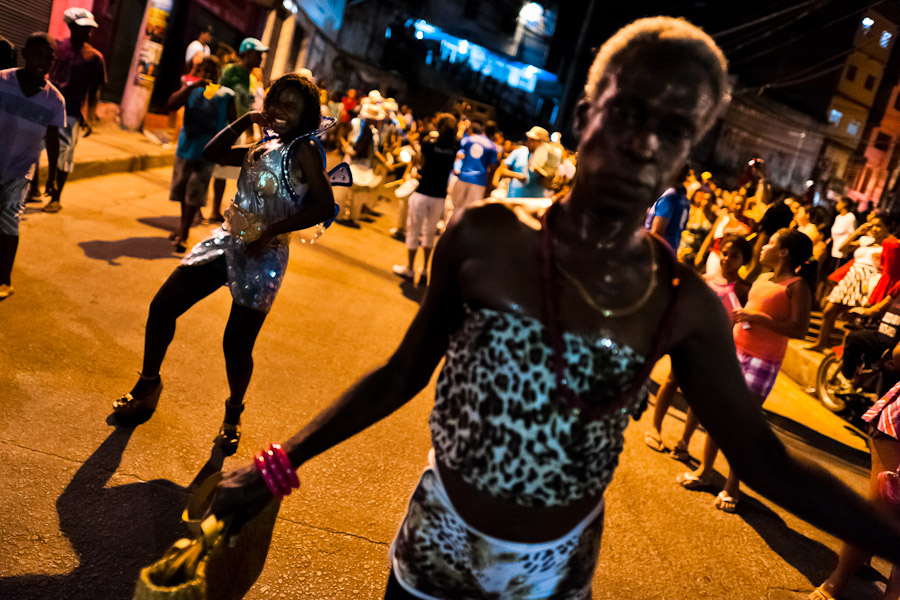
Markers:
<point>544,367</point>
<point>771,256</point>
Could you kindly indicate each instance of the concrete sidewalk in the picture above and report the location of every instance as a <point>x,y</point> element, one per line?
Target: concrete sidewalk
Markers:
<point>111,149</point>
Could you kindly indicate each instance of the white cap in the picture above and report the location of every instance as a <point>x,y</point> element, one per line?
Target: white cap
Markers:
<point>79,16</point>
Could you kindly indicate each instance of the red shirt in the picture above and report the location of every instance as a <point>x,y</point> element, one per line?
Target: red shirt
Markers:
<point>349,104</point>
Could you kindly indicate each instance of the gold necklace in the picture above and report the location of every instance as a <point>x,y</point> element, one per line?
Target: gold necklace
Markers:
<point>614,312</point>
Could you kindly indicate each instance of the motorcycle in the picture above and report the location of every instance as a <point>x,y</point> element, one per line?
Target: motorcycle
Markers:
<point>869,382</point>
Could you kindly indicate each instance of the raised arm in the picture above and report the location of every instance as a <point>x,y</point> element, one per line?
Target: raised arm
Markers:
<point>704,363</point>
<point>179,98</point>
<point>221,149</point>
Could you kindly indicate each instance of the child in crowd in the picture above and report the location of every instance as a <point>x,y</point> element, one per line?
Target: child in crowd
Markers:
<point>777,309</point>
<point>208,109</point>
<point>735,252</point>
<point>31,110</point>
<point>282,188</point>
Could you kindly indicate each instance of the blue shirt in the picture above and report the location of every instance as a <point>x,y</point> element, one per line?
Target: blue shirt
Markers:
<point>203,119</point>
<point>517,161</point>
<point>478,154</point>
<point>674,206</point>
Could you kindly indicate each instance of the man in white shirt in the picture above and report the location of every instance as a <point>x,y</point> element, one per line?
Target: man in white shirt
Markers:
<point>31,110</point>
<point>201,44</point>
<point>843,227</point>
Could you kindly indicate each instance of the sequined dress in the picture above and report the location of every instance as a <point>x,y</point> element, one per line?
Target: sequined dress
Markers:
<point>261,200</point>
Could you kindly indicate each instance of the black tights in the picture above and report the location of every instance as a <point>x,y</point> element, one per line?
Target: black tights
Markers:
<point>8,245</point>
<point>184,288</point>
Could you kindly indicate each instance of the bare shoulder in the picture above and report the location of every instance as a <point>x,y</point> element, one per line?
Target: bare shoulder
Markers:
<point>487,224</point>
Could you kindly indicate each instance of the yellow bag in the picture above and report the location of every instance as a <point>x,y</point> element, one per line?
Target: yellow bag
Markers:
<point>216,564</point>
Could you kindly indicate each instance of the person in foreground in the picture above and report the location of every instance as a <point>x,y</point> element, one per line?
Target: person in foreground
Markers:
<point>549,335</point>
<point>282,188</point>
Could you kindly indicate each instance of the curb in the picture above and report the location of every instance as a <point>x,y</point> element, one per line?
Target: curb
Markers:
<point>787,427</point>
<point>117,164</point>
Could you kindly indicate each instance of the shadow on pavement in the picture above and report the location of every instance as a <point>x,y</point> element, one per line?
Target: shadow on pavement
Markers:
<point>147,248</point>
<point>812,559</point>
<point>166,223</point>
<point>413,292</point>
<point>115,531</point>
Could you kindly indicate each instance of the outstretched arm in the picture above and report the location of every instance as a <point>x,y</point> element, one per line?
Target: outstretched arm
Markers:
<point>703,360</point>
<point>377,394</point>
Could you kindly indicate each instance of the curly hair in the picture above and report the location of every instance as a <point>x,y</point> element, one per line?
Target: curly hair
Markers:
<point>311,117</point>
<point>675,34</point>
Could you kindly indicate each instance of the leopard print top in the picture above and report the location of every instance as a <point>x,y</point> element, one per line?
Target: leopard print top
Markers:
<point>498,422</point>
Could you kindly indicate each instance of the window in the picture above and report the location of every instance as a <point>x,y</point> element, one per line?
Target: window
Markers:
<point>885,39</point>
<point>853,127</point>
<point>870,82</point>
<point>834,117</point>
<point>882,142</point>
<point>851,72</point>
<point>867,23</point>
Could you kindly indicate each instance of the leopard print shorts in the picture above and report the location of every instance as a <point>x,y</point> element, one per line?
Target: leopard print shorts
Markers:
<point>436,555</point>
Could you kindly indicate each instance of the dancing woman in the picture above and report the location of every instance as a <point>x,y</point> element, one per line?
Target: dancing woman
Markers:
<point>282,188</point>
<point>549,335</point>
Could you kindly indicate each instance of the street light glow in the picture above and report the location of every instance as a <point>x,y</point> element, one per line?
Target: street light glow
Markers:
<point>532,12</point>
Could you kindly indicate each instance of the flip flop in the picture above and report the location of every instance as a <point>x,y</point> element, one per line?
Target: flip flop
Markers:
<point>726,503</point>
<point>820,594</point>
<point>680,452</point>
<point>654,442</point>
<point>689,481</point>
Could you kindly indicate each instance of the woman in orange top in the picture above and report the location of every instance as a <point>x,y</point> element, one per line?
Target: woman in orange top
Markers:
<point>777,309</point>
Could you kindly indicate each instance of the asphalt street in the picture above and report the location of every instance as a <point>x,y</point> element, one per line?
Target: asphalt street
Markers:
<point>83,505</point>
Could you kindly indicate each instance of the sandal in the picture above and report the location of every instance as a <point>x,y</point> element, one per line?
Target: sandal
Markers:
<point>230,431</point>
<point>820,594</point>
<point>654,441</point>
<point>689,481</point>
<point>132,410</point>
<point>680,452</point>
<point>726,503</point>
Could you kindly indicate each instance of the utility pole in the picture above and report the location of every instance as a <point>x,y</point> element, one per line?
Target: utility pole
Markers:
<point>562,115</point>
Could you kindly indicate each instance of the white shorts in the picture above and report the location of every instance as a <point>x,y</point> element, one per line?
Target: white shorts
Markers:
<point>422,219</point>
<point>465,194</point>
<point>226,172</point>
<point>68,139</point>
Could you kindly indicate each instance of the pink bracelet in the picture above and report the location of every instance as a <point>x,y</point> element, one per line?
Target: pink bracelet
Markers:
<point>275,470</point>
<point>260,464</point>
<point>285,464</point>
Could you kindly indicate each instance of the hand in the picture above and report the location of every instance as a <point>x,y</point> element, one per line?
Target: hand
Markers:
<point>256,247</point>
<point>86,128</point>
<point>258,117</point>
<point>743,316</point>
<point>242,493</point>
<point>201,83</point>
